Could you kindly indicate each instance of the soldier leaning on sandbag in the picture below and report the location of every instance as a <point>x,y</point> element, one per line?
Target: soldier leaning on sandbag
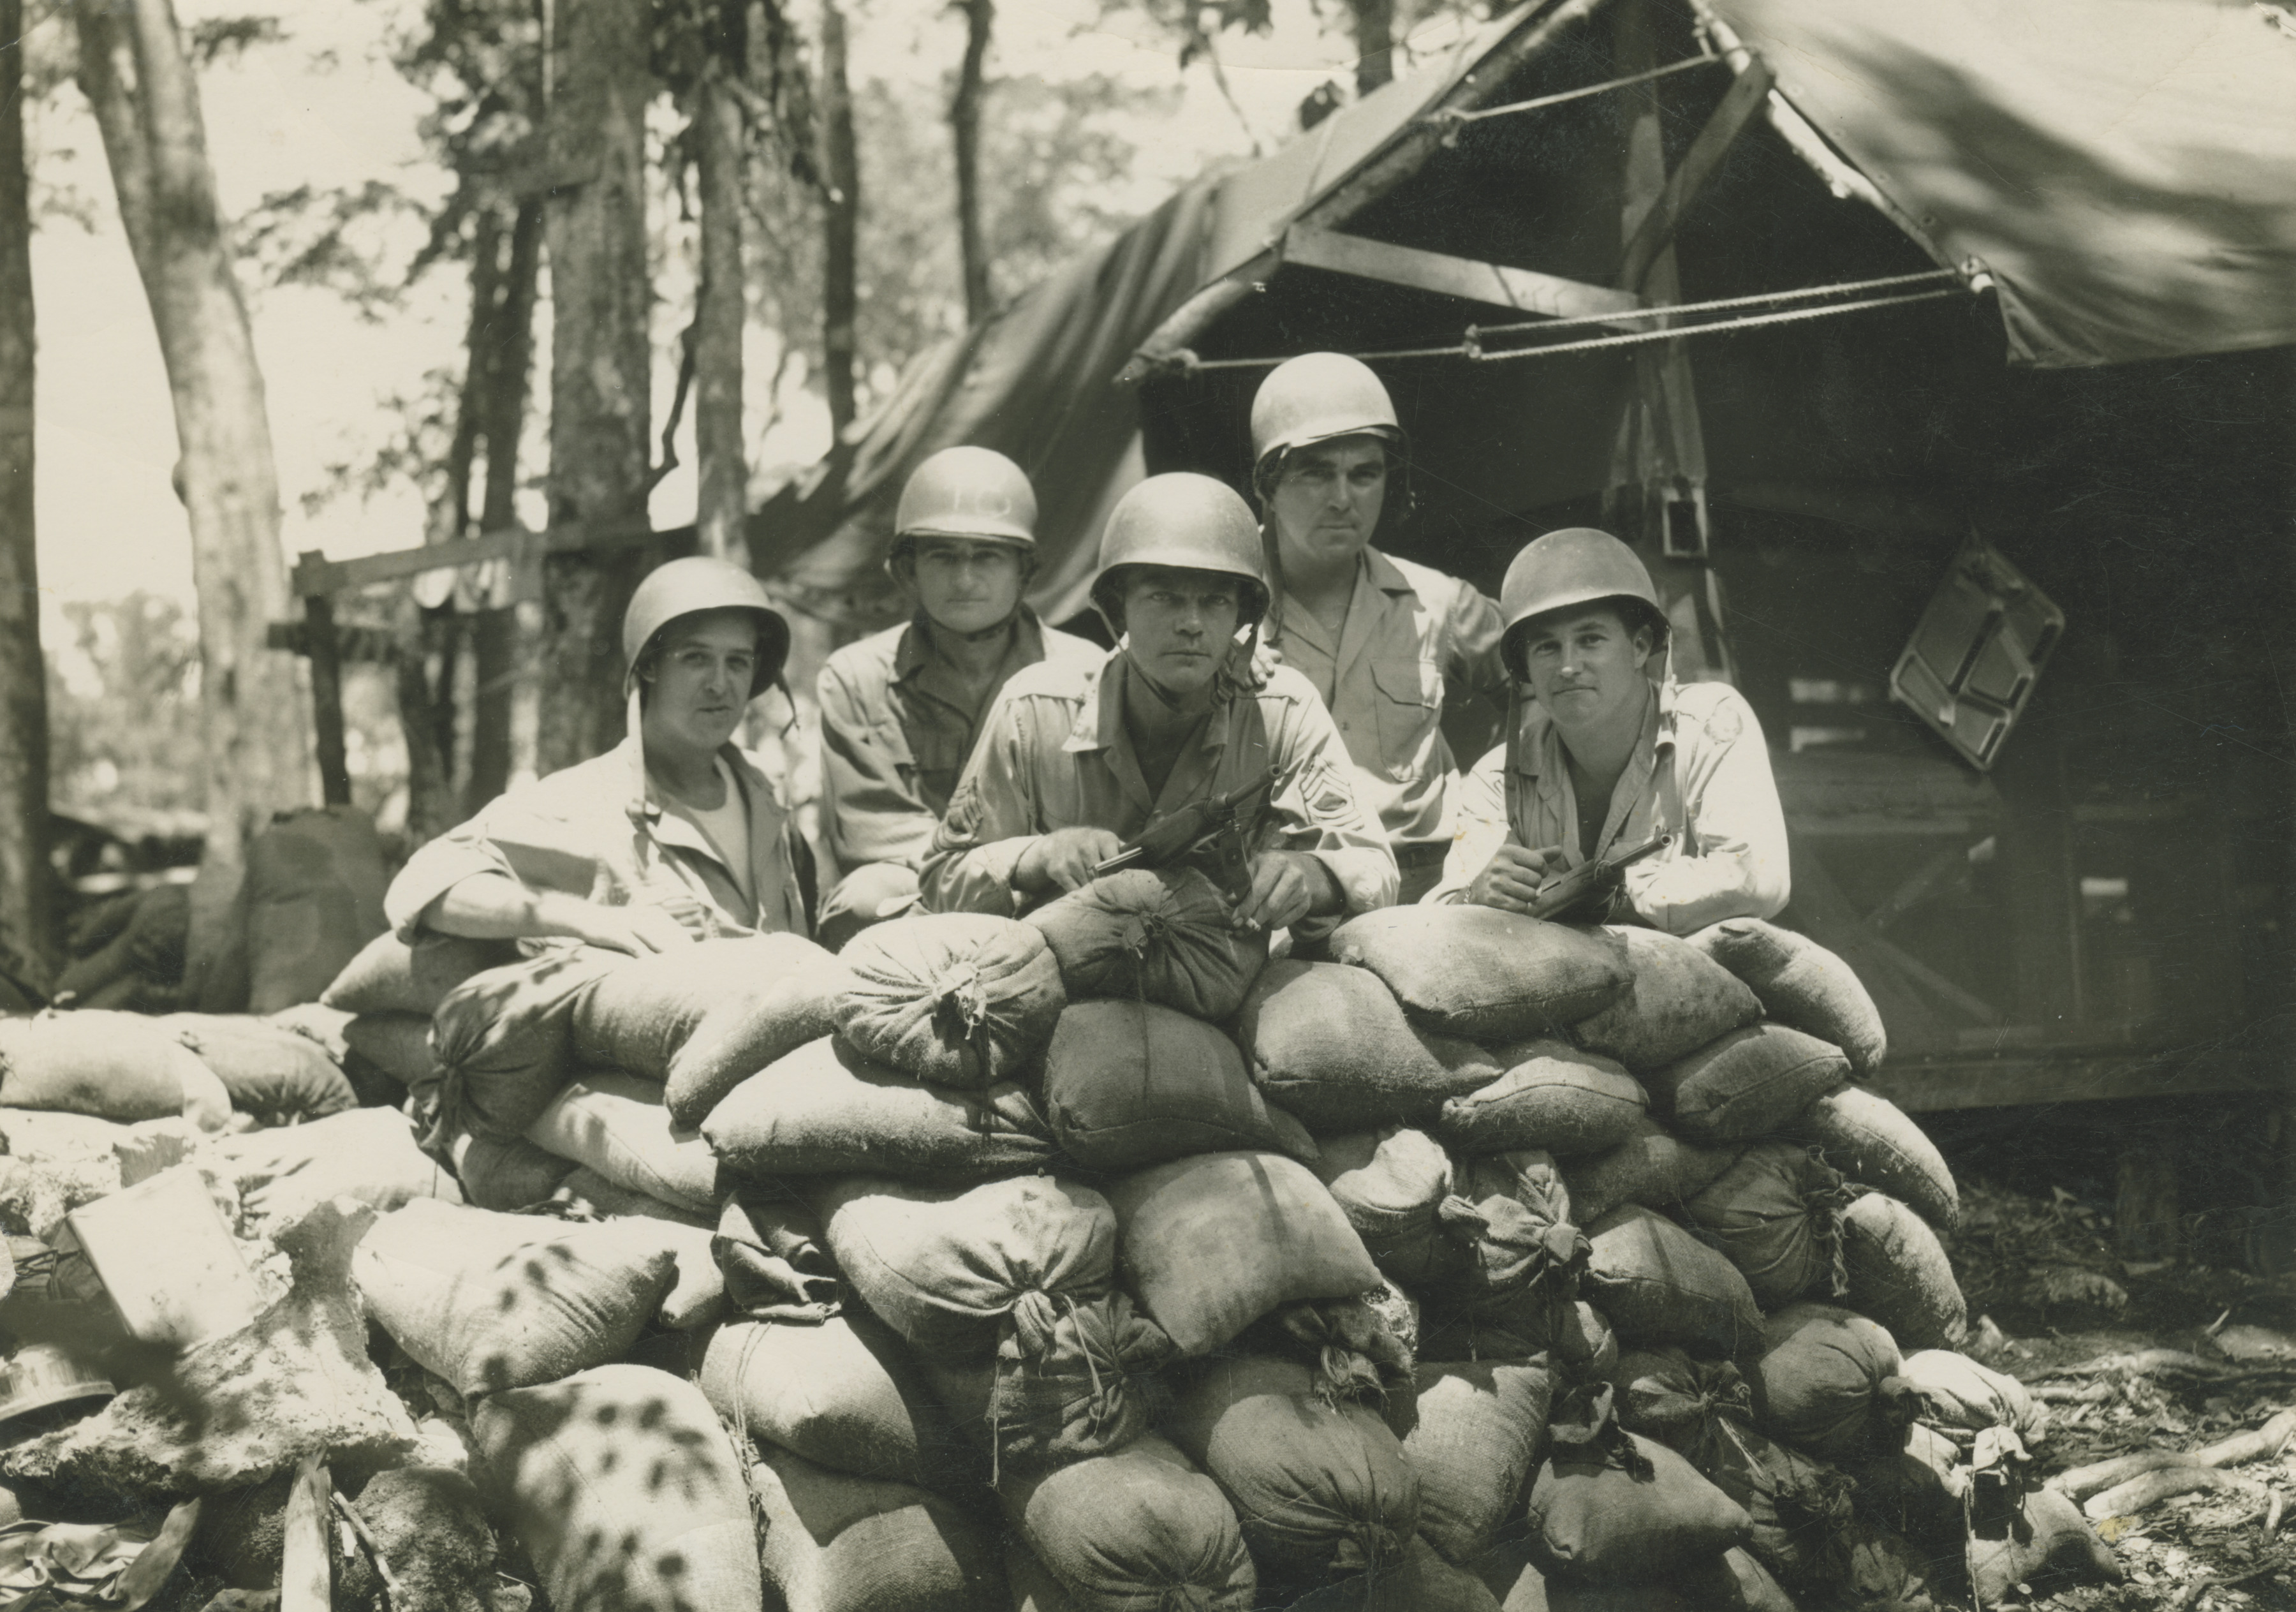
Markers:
<point>672,835</point>
<point>1610,751</point>
<point>900,709</point>
<point>1074,762</point>
<point>1395,648</point>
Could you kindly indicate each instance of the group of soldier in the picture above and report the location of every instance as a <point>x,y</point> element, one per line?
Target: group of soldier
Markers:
<point>1272,662</point>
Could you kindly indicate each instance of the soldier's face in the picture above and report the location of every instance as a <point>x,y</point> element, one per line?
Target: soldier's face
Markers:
<point>1179,625</point>
<point>967,586</point>
<point>1586,667</point>
<point>700,684</point>
<point>1327,500</point>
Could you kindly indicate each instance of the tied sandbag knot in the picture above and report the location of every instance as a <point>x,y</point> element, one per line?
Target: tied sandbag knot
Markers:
<point>1897,1405</point>
<point>1585,1432</point>
<point>1826,1207</point>
<point>961,1012</point>
<point>1357,1356</point>
<point>1820,1511</point>
<point>1365,1548</point>
<point>1032,1322</point>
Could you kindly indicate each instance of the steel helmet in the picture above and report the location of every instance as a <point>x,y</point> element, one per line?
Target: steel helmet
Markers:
<point>1189,522</point>
<point>1315,397</point>
<point>1578,565</point>
<point>968,492</point>
<point>685,588</point>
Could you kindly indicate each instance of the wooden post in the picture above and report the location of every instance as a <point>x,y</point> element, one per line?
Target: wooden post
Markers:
<point>327,696</point>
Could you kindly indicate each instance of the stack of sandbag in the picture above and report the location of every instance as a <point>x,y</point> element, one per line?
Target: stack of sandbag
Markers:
<point>391,989</point>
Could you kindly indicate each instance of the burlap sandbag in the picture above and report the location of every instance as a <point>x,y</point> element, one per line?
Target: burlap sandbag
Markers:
<point>494,1301</point>
<point>1352,1352</point>
<point>1830,1382</point>
<point>389,975</point>
<point>1552,1097</point>
<point>2047,1545</point>
<point>399,1045</point>
<point>1801,984</point>
<point>1806,1528</point>
<point>1162,935</point>
<point>1749,1084</point>
<point>1653,1167</point>
<point>845,1394</point>
<point>506,1175</point>
<point>1610,1507</point>
<point>1957,1392</point>
<point>1483,974</point>
<point>1390,1183</point>
<point>1676,1000</point>
<point>1275,1232</point>
<point>1330,1044</point>
<point>1140,1530</point>
<point>625,1492</point>
<point>1701,1408</point>
<point>946,1269</point>
<point>617,1125</point>
<point>119,1066</point>
<point>1420,1581</point>
<point>505,1040</point>
<point>1510,1220</point>
<point>1921,1492</point>
<point>1481,1433</point>
<point>1873,1142</point>
<point>1321,1492</point>
<point>767,1017</point>
<point>1900,1276</point>
<point>1085,1383</point>
<point>952,998</point>
<point>826,1110</point>
<point>775,1258</point>
<point>313,896</point>
<point>1776,1215</point>
<point>834,1543</point>
<point>697,1298</point>
<point>642,1015</point>
<point>1129,1083</point>
<point>271,1072</point>
<point>1659,1285</point>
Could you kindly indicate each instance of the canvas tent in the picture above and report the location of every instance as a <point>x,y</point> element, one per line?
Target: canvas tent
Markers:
<point>2119,173</point>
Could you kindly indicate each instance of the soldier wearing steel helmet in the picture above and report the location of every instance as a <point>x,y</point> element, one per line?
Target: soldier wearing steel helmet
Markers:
<point>1606,751</point>
<point>900,709</point>
<point>674,835</point>
<point>1395,648</point>
<point>1075,762</point>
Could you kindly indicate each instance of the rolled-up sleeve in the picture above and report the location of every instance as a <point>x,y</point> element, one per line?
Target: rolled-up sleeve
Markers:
<point>437,868</point>
<point>1737,863</point>
<point>991,820</point>
<point>1479,827</point>
<point>1316,803</point>
<point>873,813</point>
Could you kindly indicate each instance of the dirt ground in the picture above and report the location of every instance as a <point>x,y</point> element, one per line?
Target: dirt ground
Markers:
<point>2068,1314</point>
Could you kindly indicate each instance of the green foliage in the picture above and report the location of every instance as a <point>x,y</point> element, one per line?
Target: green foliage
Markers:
<point>124,708</point>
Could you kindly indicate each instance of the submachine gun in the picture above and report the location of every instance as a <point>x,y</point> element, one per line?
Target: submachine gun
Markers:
<point>1577,894</point>
<point>1213,835</point>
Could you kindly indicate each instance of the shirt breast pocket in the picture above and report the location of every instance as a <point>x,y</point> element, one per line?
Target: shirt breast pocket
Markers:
<point>1408,707</point>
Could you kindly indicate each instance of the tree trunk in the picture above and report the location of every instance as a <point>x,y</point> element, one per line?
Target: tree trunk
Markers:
<point>719,316</point>
<point>601,366</point>
<point>254,725</point>
<point>510,362</point>
<point>965,130</point>
<point>1374,22</point>
<point>25,879</point>
<point>840,294</point>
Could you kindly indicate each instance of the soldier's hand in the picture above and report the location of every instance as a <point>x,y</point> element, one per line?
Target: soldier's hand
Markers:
<point>1064,858</point>
<point>1285,886</point>
<point>639,931</point>
<point>1511,880</point>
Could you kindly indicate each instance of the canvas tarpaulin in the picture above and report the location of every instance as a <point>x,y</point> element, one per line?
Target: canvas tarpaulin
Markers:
<point>2126,169</point>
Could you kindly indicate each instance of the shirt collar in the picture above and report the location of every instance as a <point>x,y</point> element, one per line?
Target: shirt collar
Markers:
<point>916,649</point>
<point>1384,576</point>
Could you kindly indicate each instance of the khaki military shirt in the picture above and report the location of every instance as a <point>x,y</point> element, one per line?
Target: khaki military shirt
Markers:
<point>1055,754</point>
<point>896,728</point>
<point>599,830</point>
<point>1414,638</point>
<point>1700,772</point>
